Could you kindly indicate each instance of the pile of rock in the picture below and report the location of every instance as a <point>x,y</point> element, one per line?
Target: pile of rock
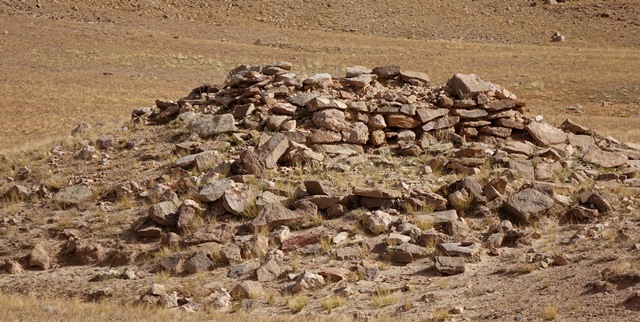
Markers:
<point>368,107</point>
<point>506,168</point>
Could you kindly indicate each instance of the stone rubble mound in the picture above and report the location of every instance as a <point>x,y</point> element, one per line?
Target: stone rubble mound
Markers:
<point>476,155</point>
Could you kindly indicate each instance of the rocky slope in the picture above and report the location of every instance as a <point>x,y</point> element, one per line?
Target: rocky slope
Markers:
<point>368,195</point>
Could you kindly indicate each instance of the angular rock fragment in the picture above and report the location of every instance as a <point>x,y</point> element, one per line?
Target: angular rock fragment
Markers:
<point>527,204</point>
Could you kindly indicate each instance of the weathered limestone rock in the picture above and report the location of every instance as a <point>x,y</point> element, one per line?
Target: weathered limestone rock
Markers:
<point>164,213</point>
<point>307,281</point>
<point>17,192</point>
<point>449,265</point>
<point>200,262</point>
<point>377,138</point>
<point>605,158</point>
<point>402,121</point>
<point>358,133</point>
<point>470,114</point>
<point>357,70</point>
<point>467,85</point>
<point>13,267</point>
<point>386,72</point>
<point>236,200</point>
<point>215,190</point>
<point>471,251</point>
<point>326,102</point>
<point>247,290</point>
<point>201,161</point>
<point>441,123</point>
<point>426,115</point>
<point>520,147</point>
<point>527,203</point>
<point>377,193</point>
<point>252,163</point>
<point>330,119</point>
<point>379,221</point>
<point>415,78</point>
<point>361,80</point>
<point>268,271</point>
<point>545,134</point>
<point>274,215</point>
<point>574,128</point>
<point>207,126</point>
<point>73,195</point>
<point>273,149</point>
<point>38,257</point>
<point>315,187</point>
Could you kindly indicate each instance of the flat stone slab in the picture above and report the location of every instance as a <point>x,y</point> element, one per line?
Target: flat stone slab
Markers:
<point>449,265</point>
<point>546,134</point>
<point>527,203</point>
<point>377,193</point>
<point>605,158</point>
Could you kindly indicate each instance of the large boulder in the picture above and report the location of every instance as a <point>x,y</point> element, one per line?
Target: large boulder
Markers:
<point>467,85</point>
<point>605,158</point>
<point>527,204</point>
<point>207,126</point>
<point>273,215</point>
<point>164,213</point>
<point>73,195</point>
<point>546,134</point>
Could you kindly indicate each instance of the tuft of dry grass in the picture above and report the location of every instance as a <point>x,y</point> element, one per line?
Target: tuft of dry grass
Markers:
<point>550,313</point>
<point>384,298</point>
<point>16,307</point>
<point>297,303</point>
<point>333,302</point>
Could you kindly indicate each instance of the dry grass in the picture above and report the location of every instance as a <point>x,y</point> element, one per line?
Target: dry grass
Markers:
<point>18,307</point>
<point>74,71</point>
<point>297,303</point>
<point>550,313</point>
<point>383,298</point>
<point>333,302</point>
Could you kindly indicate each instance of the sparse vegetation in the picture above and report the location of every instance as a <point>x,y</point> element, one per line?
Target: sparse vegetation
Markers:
<point>75,73</point>
<point>384,298</point>
<point>297,303</point>
<point>332,302</point>
<point>439,315</point>
<point>550,313</point>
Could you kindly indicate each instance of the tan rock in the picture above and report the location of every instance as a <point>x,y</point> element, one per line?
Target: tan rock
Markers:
<point>441,123</point>
<point>605,158</point>
<point>545,134</point>
<point>377,138</point>
<point>38,257</point>
<point>402,121</point>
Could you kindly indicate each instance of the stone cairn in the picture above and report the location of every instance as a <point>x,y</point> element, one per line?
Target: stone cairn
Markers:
<point>510,169</point>
<point>467,124</point>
